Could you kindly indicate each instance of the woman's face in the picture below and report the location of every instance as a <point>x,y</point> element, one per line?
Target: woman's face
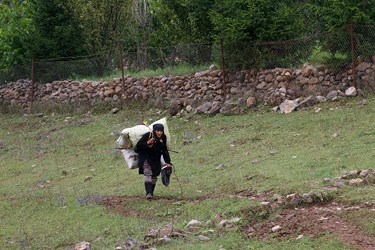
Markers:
<point>159,133</point>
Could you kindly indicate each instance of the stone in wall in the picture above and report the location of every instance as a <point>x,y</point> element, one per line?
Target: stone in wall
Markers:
<point>272,86</point>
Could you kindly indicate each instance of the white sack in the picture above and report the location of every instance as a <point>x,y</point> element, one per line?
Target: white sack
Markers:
<point>131,158</point>
<point>130,136</point>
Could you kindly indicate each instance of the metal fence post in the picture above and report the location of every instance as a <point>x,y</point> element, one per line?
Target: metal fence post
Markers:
<point>351,34</point>
<point>32,83</point>
<point>122,74</point>
<point>223,69</point>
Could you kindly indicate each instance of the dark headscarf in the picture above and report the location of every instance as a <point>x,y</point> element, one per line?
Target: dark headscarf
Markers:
<point>158,126</point>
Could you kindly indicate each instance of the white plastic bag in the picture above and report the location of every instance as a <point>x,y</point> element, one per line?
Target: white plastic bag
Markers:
<point>131,158</point>
<point>130,136</point>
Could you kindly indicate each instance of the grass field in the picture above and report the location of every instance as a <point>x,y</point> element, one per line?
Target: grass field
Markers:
<point>62,182</point>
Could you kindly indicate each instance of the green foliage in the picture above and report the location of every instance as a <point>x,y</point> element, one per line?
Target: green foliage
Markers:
<point>15,28</point>
<point>103,24</point>
<point>57,32</point>
<point>181,21</point>
<point>336,17</point>
<point>61,29</point>
<point>241,24</point>
<point>260,20</point>
<point>338,13</point>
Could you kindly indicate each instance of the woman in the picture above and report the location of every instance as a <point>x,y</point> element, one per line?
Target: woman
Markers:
<point>150,148</point>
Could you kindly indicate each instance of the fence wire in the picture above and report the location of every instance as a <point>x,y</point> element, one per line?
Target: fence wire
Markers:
<point>338,49</point>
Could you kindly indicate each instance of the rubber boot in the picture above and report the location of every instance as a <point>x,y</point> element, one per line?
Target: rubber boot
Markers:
<point>148,188</point>
<point>153,189</point>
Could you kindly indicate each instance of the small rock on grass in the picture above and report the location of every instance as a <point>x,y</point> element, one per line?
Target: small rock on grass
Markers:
<point>83,246</point>
<point>276,228</point>
<point>220,167</point>
<point>194,223</point>
<point>203,238</point>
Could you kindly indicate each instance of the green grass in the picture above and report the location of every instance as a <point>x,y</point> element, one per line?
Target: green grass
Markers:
<point>180,69</point>
<point>47,204</point>
<point>318,57</point>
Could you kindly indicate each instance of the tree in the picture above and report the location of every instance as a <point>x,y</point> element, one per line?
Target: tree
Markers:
<point>181,21</point>
<point>337,17</point>
<point>15,28</point>
<point>104,24</point>
<point>243,23</point>
<point>57,32</point>
<point>257,20</point>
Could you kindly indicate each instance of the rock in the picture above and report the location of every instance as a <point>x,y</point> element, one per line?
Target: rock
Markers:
<point>213,67</point>
<point>109,92</point>
<point>327,180</point>
<point>308,102</point>
<point>307,197</point>
<point>293,199</point>
<point>189,108</point>
<point>332,95</point>
<point>269,78</point>
<point>203,238</point>
<point>175,108</point>
<point>364,173</point>
<point>307,70</point>
<point>223,223</point>
<point>204,107</point>
<point>130,243</point>
<point>220,167</point>
<point>88,178</point>
<point>321,98</point>
<point>363,66</point>
<point>234,220</point>
<point>352,91</point>
<point>251,102</point>
<point>313,81</point>
<point>115,110</point>
<point>215,108</point>
<point>288,106</point>
<point>194,223</point>
<point>276,228</point>
<point>355,182</point>
<point>339,183</point>
<point>230,108</point>
<point>83,246</point>
<point>164,240</point>
<point>261,85</point>
<point>265,203</point>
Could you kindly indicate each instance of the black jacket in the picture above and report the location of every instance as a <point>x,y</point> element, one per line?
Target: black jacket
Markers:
<point>152,154</point>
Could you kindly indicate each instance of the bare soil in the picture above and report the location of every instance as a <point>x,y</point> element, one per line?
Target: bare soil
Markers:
<point>315,221</point>
<point>312,221</point>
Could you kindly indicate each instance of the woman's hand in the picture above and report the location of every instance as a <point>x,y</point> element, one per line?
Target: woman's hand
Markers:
<point>151,141</point>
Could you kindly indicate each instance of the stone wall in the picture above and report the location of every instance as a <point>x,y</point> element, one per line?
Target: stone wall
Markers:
<point>271,87</point>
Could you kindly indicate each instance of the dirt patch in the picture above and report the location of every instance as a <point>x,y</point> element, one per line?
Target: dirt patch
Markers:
<point>123,204</point>
<point>312,221</point>
<point>315,221</point>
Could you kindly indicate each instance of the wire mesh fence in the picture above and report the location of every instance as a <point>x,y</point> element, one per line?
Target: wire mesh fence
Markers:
<point>339,49</point>
<point>163,57</point>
